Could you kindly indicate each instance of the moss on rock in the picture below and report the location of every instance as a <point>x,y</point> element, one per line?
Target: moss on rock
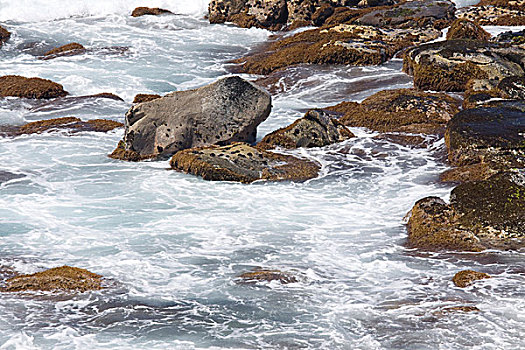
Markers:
<point>465,29</point>
<point>141,98</point>
<point>466,278</point>
<point>267,276</point>
<point>35,88</point>
<point>65,50</point>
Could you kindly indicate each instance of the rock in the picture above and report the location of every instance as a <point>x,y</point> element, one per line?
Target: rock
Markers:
<point>63,278</point>
<point>17,86</point>
<point>456,309</point>
<point>471,172</point>
<point>226,111</point>
<point>412,14</point>
<point>142,11</point>
<point>490,134</point>
<point>4,35</point>
<point>220,10</point>
<point>402,110</point>
<point>412,141</point>
<point>493,16</point>
<point>511,38</point>
<point>67,123</point>
<point>65,50</point>
<point>140,98</point>
<point>315,129</point>
<point>486,214</point>
<point>465,29</point>
<point>342,44</point>
<point>512,88</point>
<point>451,65</point>
<point>512,4</point>
<point>466,278</point>
<point>267,276</point>
<point>484,95</point>
<point>8,176</point>
<point>322,14</point>
<point>269,13</point>
<point>242,163</point>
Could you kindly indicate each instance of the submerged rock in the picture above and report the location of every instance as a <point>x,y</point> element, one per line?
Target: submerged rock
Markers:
<point>315,129</point>
<point>8,176</point>
<point>451,65</point>
<point>65,50</point>
<point>465,29</point>
<point>226,111</point>
<point>142,11</point>
<point>141,98</point>
<point>341,44</point>
<point>488,214</point>
<point>402,110</point>
<point>17,86</point>
<point>466,278</point>
<point>241,162</point>
<point>4,35</point>
<point>267,276</point>
<point>63,278</point>
<point>67,123</point>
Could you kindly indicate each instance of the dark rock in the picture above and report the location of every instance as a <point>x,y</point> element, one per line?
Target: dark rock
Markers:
<point>465,29</point>
<point>267,276</point>
<point>226,111</point>
<point>322,14</point>
<point>315,129</point>
<point>488,214</point>
<point>220,10</point>
<point>342,44</point>
<point>4,35</point>
<point>493,15</point>
<point>492,134</point>
<point>17,86</point>
<point>451,65</point>
<point>7,176</point>
<point>67,123</point>
<point>403,110</point>
<point>466,278</point>
<point>63,278</point>
<point>412,14</point>
<point>242,163</point>
<point>141,98</point>
<point>456,309</point>
<point>511,38</point>
<point>512,88</point>
<point>142,11</point>
<point>65,50</point>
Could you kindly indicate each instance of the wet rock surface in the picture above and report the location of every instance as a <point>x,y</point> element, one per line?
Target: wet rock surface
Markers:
<point>35,88</point>
<point>493,15</point>
<point>226,111</point>
<point>142,11</point>
<point>266,276</point>
<point>451,65</point>
<point>140,98</point>
<point>8,176</point>
<point>340,44</point>
<point>65,50</point>
<point>70,124</point>
<point>488,214</point>
<point>315,129</point>
<point>466,278</point>
<point>4,35</point>
<point>65,278</point>
<point>402,110</point>
<point>241,162</point>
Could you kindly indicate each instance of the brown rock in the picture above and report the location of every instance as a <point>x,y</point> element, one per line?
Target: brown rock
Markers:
<point>267,276</point>
<point>322,14</point>
<point>141,11</point>
<point>465,29</point>
<point>493,15</point>
<point>4,35</point>
<point>403,110</point>
<point>63,278</point>
<point>456,309</point>
<point>67,123</point>
<point>315,129</point>
<point>472,172</point>
<point>17,86</point>
<point>140,98</point>
<point>65,50</point>
<point>466,278</point>
<point>241,162</point>
<point>510,4</point>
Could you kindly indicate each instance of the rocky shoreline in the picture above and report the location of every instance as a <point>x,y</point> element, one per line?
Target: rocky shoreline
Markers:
<point>211,132</point>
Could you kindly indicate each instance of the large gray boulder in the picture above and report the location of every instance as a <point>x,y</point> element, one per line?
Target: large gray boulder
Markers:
<point>224,112</point>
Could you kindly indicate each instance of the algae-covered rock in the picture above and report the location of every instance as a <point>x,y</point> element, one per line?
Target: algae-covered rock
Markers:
<point>63,278</point>
<point>70,124</point>
<point>466,278</point>
<point>465,29</point>
<point>451,65</point>
<point>141,98</point>
<point>241,162</point>
<point>267,276</point>
<point>4,35</point>
<point>489,134</point>
<point>488,214</point>
<point>226,111</point>
<point>65,50</point>
<point>142,11</point>
<point>36,88</point>
<point>315,129</point>
<point>493,15</point>
<point>341,44</point>
<point>402,110</point>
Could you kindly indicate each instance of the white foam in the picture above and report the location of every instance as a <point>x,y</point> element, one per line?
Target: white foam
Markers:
<point>41,10</point>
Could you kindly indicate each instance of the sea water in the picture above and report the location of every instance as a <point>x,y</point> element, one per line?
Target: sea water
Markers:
<point>171,245</point>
